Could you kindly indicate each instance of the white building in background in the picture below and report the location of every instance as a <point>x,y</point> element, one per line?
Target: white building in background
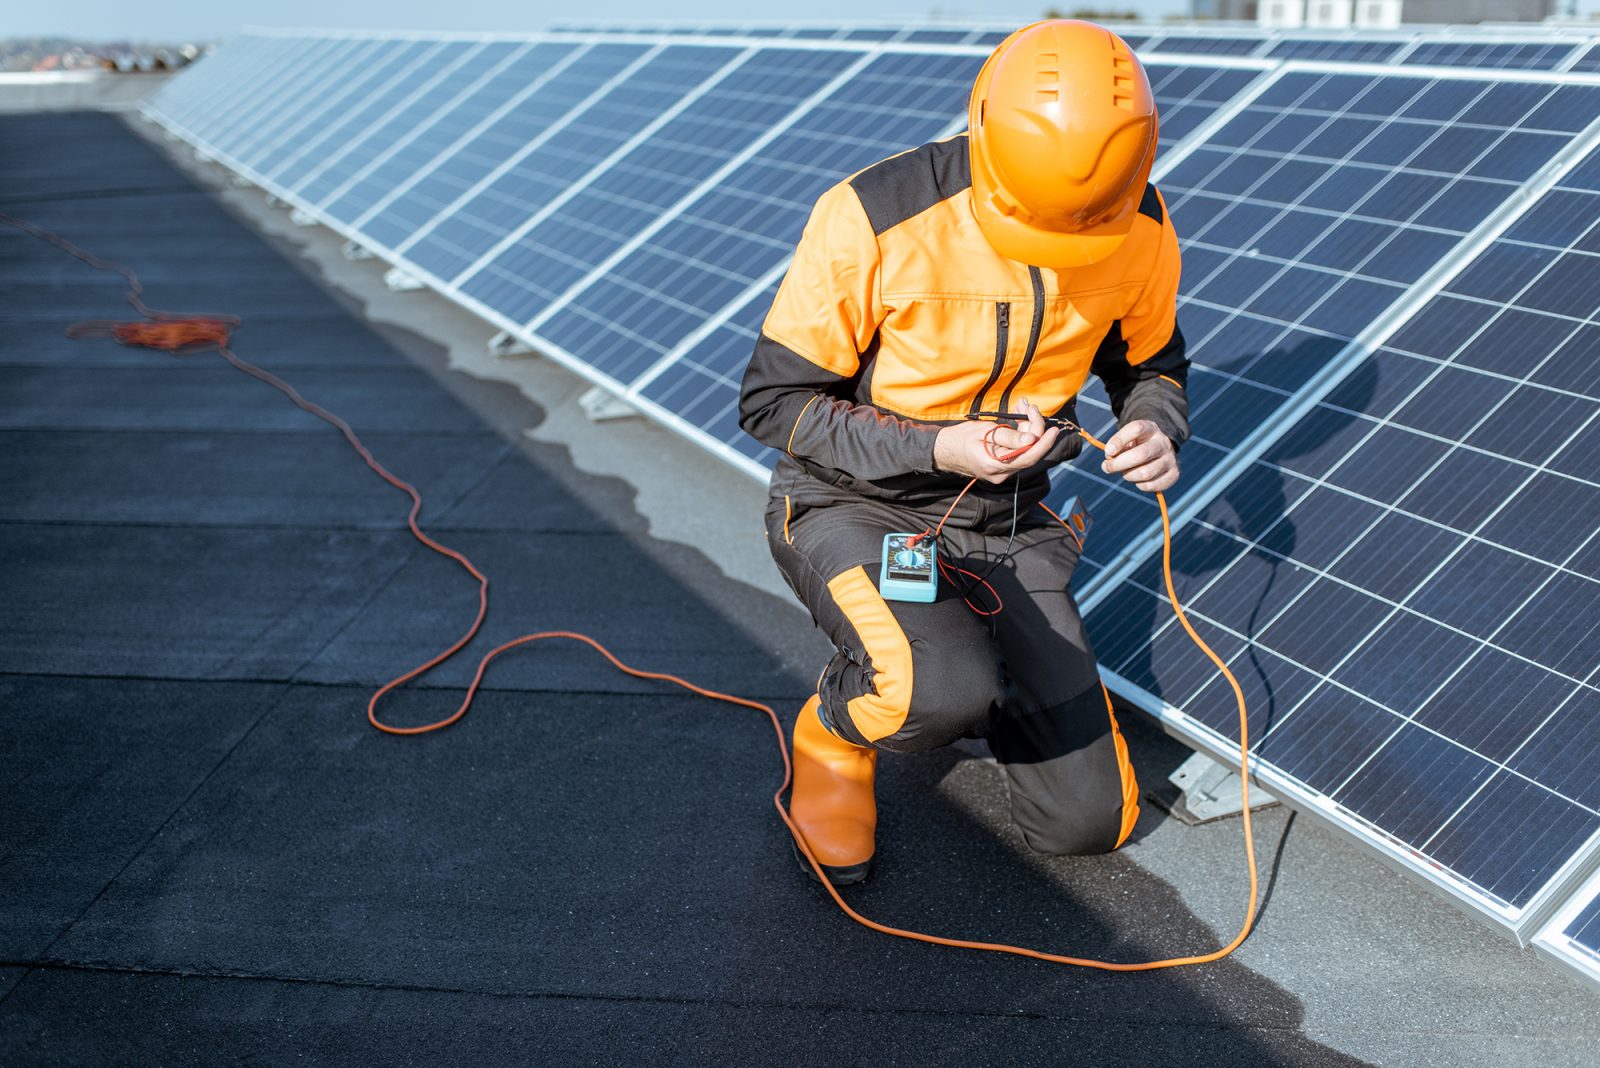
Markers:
<point>1330,14</point>
<point>1378,14</point>
<point>1374,14</point>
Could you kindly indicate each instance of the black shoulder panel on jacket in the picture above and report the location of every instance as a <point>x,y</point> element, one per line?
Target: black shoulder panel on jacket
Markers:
<point>909,184</point>
<point>1151,204</point>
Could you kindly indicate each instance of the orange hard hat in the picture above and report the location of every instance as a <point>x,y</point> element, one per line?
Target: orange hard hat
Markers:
<point>1062,133</point>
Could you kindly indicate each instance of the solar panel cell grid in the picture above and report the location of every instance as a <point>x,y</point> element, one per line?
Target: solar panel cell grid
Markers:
<point>1343,51</point>
<point>563,157</point>
<point>1589,62</point>
<point>1188,95</point>
<point>1585,927</point>
<point>1423,510</point>
<point>178,98</point>
<point>703,386</point>
<point>551,94</point>
<point>264,112</point>
<point>502,74</point>
<point>448,71</point>
<point>1208,46</point>
<point>340,131</point>
<point>303,72</point>
<point>205,93</point>
<point>949,37</point>
<point>1484,55</point>
<point>746,104</point>
<point>328,89</point>
<point>1307,216</point>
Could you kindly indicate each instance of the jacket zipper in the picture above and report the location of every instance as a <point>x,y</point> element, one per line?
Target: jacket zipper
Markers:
<point>1037,278</point>
<point>1002,342</point>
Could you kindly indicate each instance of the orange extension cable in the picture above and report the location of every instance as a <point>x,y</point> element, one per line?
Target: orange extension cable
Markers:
<point>191,333</point>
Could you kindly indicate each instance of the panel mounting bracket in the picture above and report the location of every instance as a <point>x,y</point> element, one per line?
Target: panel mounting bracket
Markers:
<point>1206,791</point>
<point>602,406</point>
<point>355,250</point>
<point>400,281</point>
<point>506,344</point>
<point>301,217</point>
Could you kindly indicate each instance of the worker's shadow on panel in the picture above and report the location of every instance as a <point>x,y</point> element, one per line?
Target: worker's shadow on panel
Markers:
<point>1234,565</point>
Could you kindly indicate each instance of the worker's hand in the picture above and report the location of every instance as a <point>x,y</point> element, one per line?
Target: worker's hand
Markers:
<point>1143,455</point>
<point>975,448</point>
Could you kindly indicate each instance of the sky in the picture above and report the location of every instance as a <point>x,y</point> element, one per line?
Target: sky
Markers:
<point>174,20</point>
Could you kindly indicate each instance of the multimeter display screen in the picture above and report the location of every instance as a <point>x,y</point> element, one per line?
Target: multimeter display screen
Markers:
<point>910,576</point>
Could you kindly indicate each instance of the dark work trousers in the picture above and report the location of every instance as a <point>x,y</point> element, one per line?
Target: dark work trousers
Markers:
<point>910,677</point>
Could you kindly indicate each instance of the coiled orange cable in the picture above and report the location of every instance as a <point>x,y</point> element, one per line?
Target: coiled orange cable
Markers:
<point>187,333</point>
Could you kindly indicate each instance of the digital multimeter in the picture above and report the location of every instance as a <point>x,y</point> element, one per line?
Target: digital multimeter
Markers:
<point>910,570</point>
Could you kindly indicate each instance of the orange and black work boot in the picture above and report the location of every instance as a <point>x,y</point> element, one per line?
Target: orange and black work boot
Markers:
<point>832,802</point>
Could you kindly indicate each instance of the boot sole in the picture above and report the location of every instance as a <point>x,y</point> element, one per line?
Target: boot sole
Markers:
<point>838,875</point>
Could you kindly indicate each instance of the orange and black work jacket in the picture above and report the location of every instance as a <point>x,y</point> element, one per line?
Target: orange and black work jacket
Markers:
<point>897,318</point>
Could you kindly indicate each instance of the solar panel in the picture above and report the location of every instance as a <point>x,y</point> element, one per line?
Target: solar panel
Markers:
<point>1207,45</point>
<point>701,387</point>
<point>507,134</point>
<point>1483,55</point>
<point>540,260</point>
<point>335,130</point>
<point>454,68</point>
<point>871,34</point>
<point>205,89</point>
<point>416,146</point>
<point>1585,930</point>
<point>1345,50</point>
<point>1414,562</point>
<point>950,37</point>
<point>1303,219</point>
<point>1588,62</point>
<point>1573,936</point>
<point>470,230</point>
<point>1188,94</point>
<point>180,98</point>
<point>320,82</point>
<point>255,109</point>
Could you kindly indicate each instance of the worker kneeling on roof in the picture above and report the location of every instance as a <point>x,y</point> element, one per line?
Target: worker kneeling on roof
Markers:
<point>991,271</point>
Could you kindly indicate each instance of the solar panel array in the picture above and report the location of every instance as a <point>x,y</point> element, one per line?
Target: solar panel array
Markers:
<point>1437,502</point>
<point>1481,48</point>
<point>1387,515</point>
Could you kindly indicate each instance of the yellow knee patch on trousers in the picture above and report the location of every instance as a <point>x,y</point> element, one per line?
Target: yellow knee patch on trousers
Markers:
<point>883,712</point>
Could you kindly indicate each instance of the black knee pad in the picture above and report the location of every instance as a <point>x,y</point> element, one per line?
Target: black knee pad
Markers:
<point>950,699</point>
<point>1080,835</point>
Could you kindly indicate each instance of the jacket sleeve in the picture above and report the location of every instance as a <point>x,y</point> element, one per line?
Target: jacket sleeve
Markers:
<point>798,384</point>
<point>1142,359</point>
